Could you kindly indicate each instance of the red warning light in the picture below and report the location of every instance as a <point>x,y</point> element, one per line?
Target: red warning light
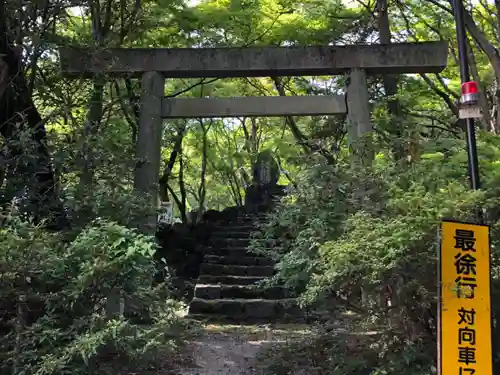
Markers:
<point>470,92</point>
<point>470,88</point>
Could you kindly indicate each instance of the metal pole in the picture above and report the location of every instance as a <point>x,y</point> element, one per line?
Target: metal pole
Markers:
<point>473,164</point>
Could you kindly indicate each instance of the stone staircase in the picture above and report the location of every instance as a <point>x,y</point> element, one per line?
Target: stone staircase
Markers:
<point>226,289</point>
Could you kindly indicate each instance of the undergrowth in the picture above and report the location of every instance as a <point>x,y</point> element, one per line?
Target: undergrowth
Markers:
<point>55,314</point>
<point>364,241</point>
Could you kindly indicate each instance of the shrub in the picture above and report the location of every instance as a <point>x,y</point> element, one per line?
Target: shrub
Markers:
<point>374,256</point>
<point>53,301</point>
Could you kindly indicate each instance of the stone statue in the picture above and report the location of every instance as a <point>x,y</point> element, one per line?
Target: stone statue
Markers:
<point>165,214</point>
<point>266,173</point>
<point>266,170</point>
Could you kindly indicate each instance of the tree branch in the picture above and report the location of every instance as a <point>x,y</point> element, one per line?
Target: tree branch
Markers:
<point>299,136</point>
<point>199,83</point>
<point>441,94</point>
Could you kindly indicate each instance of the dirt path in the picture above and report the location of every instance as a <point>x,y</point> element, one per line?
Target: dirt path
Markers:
<point>231,350</point>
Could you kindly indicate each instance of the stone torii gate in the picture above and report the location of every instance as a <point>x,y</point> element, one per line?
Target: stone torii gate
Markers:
<point>154,65</point>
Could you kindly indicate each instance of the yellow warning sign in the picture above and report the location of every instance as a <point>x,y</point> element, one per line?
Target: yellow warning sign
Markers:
<point>464,338</point>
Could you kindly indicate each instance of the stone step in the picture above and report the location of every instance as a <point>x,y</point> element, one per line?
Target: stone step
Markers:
<point>227,251</point>
<point>235,250</point>
<point>231,234</point>
<point>239,260</point>
<point>250,220</point>
<point>234,228</point>
<point>258,215</point>
<point>225,319</point>
<point>245,308</point>
<point>229,280</point>
<point>235,270</point>
<point>210,291</point>
<point>229,242</point>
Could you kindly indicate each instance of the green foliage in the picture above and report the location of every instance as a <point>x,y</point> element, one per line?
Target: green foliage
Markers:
<point>342,233</point>
<point>345,353</point>
<point>53,296</point>
<point>376,257</point>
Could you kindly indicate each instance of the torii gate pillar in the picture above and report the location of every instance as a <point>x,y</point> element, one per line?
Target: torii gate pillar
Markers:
<point>149,146</point>
<point>359,124</point>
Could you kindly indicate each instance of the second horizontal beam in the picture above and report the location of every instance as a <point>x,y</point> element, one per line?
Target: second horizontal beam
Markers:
<point>253,106</point>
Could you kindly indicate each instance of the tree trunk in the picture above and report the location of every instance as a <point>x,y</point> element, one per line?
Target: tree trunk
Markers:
<point>18,115</point>
<point>90,130</point>
<point>182,187</point>
<point>202,188</point>
<point>391,83</point>
<point>300,138</point>
<point>170,165</point>
<point>254,139</point>
<point>101,24</point>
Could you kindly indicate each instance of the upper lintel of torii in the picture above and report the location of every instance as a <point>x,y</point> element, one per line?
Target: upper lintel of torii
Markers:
<point>397,58</point>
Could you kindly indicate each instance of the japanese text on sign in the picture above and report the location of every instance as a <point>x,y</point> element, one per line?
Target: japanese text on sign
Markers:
<point>465,321</point>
